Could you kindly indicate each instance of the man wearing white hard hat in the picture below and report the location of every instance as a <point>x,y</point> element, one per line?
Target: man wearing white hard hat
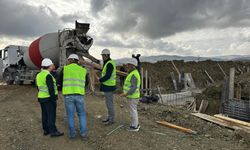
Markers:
<point>108,85</point>
<point>73,79</point>
<point>47,96</point>
<point>131,90</point>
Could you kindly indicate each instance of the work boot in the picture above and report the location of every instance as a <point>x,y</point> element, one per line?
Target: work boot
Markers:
<point>56,134</point>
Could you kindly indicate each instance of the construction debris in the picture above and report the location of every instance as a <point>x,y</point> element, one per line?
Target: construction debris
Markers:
<point>159,91</point>
<point>174,80</point>
<point>244,123</point>
<point>192,106</point>
<point>210,78</point>
<point>115,129</point>
<point>170,125</point>
<point>222,69</point>
<point>203,106</point>
<point>221,122</point>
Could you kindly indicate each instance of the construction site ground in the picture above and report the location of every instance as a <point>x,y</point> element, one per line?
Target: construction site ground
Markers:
<point>20,126</point>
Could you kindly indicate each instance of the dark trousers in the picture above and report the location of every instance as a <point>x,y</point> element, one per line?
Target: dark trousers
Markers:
<point>49,116</point>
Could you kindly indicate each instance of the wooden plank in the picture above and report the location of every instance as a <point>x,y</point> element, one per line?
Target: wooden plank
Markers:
<point>177,70</point>
<point>203,106</point>
<point>222,70</point>
<point>174,80</point>
<point>244,123</point>
<point>170,125</point>
<point>210,78</point>
<point>221,122</point>
<point>159,91</point>
<point>192,106</point>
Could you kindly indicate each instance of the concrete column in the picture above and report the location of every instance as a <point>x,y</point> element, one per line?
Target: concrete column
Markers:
<point>231,83</point>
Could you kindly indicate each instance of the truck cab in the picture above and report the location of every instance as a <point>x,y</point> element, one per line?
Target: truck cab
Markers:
<point>12,54</point>
<point>10,58</point>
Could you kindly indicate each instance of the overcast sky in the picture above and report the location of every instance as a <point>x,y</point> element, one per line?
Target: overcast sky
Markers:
<point>149,27</point>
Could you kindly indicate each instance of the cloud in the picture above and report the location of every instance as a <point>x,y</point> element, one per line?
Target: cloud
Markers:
<point>98,5</point>
<point>71,18</point>
<point>161,18</point>
<point>23,20</point>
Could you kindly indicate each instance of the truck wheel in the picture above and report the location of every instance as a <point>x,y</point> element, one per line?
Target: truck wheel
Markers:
<point>7,78</point>
<point>17,80</point>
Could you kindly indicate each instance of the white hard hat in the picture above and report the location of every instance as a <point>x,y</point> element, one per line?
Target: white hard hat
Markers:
<point>46,62</point>
<point>105,52</point>
<point>73,56</point>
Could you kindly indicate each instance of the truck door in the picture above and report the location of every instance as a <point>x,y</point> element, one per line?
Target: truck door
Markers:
<point>1,64</point>
<point>5,58</point>
<point>1,54</point>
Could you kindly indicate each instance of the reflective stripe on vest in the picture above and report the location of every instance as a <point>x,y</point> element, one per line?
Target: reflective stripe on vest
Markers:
<point>74,78</point>
<point>127,84</point>
<point>43,91</point>
<point>112,80</point>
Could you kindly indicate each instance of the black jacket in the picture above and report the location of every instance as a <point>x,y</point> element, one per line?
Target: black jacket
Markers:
<point>50,85</point>
<point>108,74</point>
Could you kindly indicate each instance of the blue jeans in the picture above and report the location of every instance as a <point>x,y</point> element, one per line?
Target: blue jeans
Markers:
<point>73,102</point>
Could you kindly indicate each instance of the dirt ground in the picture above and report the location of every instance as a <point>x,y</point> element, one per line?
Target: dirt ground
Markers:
<point>20,126</point>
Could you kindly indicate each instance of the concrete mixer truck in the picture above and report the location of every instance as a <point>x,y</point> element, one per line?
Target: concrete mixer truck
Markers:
<point>20,63</point>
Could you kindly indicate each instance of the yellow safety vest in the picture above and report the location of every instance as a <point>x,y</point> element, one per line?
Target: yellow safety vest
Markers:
<point>43,91</point>
<point>127,84</point>
<point>74,78</point>
<point>112,80</point>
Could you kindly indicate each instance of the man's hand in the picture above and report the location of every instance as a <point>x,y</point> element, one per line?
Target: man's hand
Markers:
<point>96,76</point>
<point>81,62</point>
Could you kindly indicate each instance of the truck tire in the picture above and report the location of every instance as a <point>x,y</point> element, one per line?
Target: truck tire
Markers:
<point>17,80</point>
<point>7,78</point>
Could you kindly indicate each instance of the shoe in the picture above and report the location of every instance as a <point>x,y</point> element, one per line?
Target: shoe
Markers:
<point>72,137</point>
<point>106,120</point>
<point>108,123</point>
<point>132,128</point>
<point>45,133</point>
<point>56,134</point>
<point>84,136</point>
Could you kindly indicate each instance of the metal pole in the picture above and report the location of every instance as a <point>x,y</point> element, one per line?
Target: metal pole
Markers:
<point>146,83</point>
<point>150,85</point>
<point>142,79</point>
